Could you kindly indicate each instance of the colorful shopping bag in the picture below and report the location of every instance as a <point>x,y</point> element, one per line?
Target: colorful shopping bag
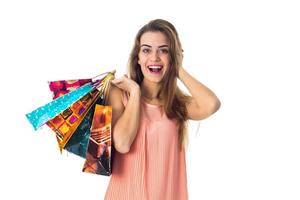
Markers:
<point>71,112</point>
<point>47,112</point>
<point>72,127</point>
<point>66,123</point>
<point>77,144</point>
<point>99,152</point>
<point>62,87</point>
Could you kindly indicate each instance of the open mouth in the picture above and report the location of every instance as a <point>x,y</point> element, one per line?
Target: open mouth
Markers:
<point>155,68</point>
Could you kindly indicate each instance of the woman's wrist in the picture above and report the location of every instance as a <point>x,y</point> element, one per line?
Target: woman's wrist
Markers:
<point>135,91</point>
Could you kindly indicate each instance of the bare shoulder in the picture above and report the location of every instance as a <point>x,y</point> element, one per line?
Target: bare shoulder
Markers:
<point>115,100</point>
<point>115,96</point>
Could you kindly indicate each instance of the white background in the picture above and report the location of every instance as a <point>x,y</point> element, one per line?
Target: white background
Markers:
<point>247,52</point>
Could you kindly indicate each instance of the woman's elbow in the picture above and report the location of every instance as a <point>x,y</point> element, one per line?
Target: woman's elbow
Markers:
<point>122,148</point>
<point>211,108</point>
<point>121,145</point>
<point>216,105</point>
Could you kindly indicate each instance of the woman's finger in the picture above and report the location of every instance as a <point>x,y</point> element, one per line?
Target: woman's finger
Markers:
<point>121,86</point>
<point>116,80</point>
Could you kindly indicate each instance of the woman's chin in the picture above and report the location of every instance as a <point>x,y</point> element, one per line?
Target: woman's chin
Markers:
<point>153,80</point>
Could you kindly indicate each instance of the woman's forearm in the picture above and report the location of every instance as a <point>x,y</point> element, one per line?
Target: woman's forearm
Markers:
<point>204,97</point>
<point>126,128</point>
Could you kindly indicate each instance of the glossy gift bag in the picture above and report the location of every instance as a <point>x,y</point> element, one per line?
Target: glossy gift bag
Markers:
<point>71,112</point>
<point>99,152</point>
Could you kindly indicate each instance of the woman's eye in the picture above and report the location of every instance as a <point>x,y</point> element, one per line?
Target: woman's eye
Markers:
<point>145,50</point>
<point>164,51</point>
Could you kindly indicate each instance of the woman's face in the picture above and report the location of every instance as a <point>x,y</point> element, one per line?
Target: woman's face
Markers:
<point>153,56</point>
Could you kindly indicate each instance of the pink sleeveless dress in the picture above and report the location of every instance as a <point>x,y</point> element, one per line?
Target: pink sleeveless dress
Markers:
<point>155,167</point>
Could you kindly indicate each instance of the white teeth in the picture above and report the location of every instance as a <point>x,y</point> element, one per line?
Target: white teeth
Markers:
<point>155,67</point>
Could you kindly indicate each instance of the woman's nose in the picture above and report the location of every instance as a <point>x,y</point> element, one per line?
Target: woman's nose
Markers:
<point>155,56</point>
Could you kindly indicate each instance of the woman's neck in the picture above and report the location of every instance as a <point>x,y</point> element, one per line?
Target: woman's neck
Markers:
<point>150,90</point>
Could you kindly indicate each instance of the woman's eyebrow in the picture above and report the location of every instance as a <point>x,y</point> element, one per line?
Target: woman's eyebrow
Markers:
<point>165,45</point>
<point>146,45</point>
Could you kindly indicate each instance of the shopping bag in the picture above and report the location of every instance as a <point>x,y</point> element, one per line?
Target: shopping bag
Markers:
<point>73,129</point>
<point>99,152</point>
<point>62,87</point>
<point>41,115</point>
<point>71,112</point>
<point>66,123</point>
<point>77,144</point>
<point>47,112</point>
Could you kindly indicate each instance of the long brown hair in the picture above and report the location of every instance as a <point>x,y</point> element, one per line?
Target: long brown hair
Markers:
<point>174,99</point>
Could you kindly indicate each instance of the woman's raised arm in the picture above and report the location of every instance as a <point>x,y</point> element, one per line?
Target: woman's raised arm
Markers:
<point>203,101</point>
<point>125,120</point>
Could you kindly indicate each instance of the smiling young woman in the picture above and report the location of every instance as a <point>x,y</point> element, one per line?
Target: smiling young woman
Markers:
<point>149,118</point>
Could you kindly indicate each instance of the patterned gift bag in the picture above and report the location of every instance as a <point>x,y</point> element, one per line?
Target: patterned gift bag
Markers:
<point>71,112</point>
<point>99,152</point>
